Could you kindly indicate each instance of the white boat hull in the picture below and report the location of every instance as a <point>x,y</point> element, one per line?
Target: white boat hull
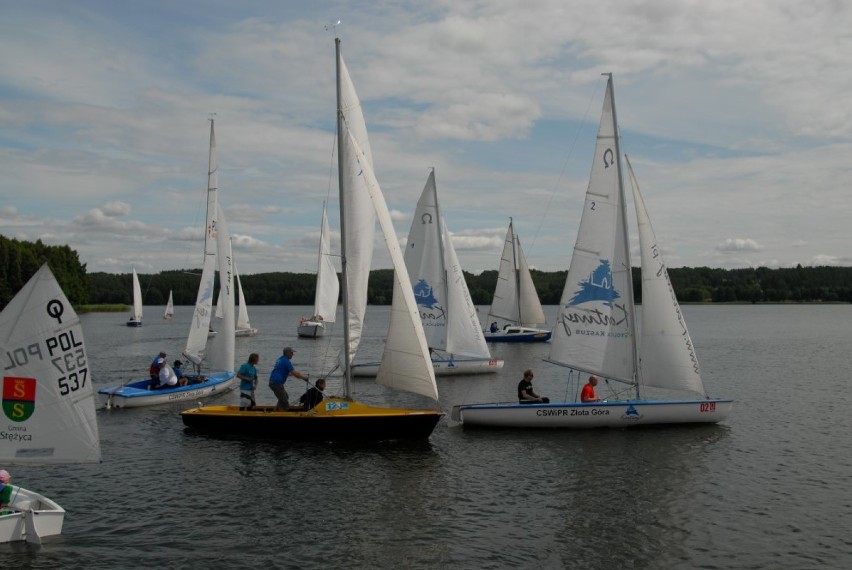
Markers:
<point>311,329</point>
<point>245,332</point>
<point>137,395</point>
<point>441,367</point>
<point>574,415</point>
<point>513,333</point>
<point>44,514</point>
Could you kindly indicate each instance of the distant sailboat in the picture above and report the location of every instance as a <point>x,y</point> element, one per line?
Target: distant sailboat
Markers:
<point>135,319</point>
<point>595,332</point>
<point>515,298</point>
<point>170,308</point>
<point>327,288</point>
<point>244,327</point>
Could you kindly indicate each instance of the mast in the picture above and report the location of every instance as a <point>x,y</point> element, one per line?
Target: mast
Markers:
<point>347,365</point>
<point>626,235</point>
<point>440,229</point>
<point>516,272</point>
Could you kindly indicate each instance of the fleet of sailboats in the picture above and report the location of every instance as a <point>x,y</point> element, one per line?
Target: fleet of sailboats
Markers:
<point>405,362</point>
<point>47,396</point>
<point>221,377</point>
<point>135,319</point>
<point>595,332</point>
<point>456,341</point>
<point>515,298</point>
<point>327,288</point>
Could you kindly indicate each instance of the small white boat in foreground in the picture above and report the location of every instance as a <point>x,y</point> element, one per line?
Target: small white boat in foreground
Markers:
<point>31,515</point>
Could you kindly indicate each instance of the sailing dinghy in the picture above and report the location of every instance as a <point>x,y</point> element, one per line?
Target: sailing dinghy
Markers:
<point>47,396</point>
<point>327,289</point>
<point>595,329</point>
<point>135,319</point>
<point>446,310</point>
<point>243,326</point>
<point>222,377</point>
<point>170,307</point>
<point>405,363</point>
<point>515,301</point>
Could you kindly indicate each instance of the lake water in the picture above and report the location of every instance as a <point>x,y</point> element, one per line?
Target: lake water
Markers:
<point>768,488</point>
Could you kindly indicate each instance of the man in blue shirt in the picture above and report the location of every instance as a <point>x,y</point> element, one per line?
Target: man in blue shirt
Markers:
<point>283,368</point>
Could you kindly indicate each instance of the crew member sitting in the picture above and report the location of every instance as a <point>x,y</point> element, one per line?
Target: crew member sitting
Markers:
<point>313,396</point>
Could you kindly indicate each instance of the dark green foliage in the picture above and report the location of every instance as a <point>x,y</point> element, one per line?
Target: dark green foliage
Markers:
<point>19,260</point>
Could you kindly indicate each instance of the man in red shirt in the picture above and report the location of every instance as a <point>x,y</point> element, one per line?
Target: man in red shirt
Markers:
<point>588,393</point>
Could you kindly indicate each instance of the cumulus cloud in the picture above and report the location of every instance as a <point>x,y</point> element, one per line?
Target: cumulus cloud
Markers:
<point>738,245</point>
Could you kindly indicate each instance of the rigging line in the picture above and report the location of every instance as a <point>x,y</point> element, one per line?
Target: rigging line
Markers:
<point>594,96</point>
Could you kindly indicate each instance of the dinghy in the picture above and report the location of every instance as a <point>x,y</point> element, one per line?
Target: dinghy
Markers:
<point>221,377</point>
<point>327,289</point>
<point>405,362</point>
<point>595,331</point>
<point>446,310</point>
<point>135,319</point>
<point>47,399</point>
<point>516,302</point>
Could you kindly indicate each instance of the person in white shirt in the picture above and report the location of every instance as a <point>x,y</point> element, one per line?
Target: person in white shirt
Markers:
<point>168,378</point>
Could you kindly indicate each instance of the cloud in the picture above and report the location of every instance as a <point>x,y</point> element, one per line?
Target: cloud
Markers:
<point>737,245</point>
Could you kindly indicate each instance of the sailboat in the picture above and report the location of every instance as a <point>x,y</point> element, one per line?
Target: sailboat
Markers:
<point>170,307</point>
<point>135,319</point>
<point>48,402</point>
<point>220,358</point>
<point>243,327</point>
<point>405,363</point>
<point>446,310</point>
<point>327,290</point>
<point>595,330</point>
<point>515,299</point>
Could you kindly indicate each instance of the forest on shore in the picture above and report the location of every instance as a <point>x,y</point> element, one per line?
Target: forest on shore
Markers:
<point>19,260</point>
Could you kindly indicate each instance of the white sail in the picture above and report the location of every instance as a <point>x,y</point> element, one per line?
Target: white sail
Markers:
<point>405,362</point>
<point>424,258</point>
<point>668,358</point>
<point>515,298</point>
<point>200,326</point>
<point>223,344</point>
<point>46,383</point>
<point>242,315</point>
<point>358,219</point>
<point>328,286</point>
<point>595,330</point>
<point>446,309</point>
<point>136,315</point>
<point>170,307</point>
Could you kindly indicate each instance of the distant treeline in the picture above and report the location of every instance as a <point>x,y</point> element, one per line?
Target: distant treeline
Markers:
<point>19,260</point>
<point>696,285</point>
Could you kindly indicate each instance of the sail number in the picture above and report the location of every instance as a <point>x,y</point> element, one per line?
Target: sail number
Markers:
<point>64,351</point>
<point>707,406</point>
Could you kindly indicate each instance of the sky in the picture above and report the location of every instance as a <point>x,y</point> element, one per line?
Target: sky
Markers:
<point>736,117</point>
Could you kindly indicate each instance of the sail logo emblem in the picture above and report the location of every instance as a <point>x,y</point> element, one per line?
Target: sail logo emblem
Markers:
<point>19,396</point>
<point>598,287</point>
<point>424,295</point>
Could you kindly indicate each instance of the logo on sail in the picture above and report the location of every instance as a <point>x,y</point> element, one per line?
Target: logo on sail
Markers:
<point>19,396</point>
<point>598,287</point>
<point>424,295</point>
